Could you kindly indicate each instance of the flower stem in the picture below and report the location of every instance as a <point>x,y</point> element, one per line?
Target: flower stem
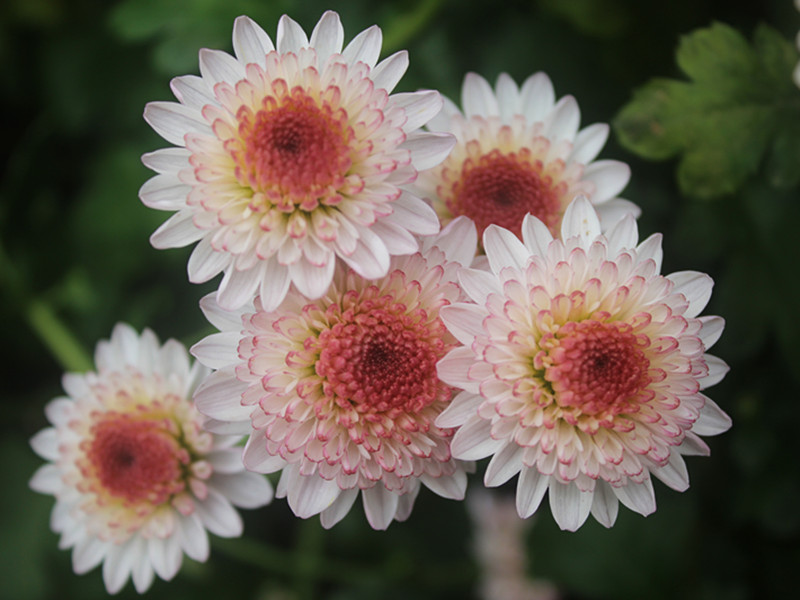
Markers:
<point>64,347</point>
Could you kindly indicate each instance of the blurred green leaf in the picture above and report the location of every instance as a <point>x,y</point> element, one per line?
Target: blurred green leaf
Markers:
<point>724,120</point>
<point>599,18</point>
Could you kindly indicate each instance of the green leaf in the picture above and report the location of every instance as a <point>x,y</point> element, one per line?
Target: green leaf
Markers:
<point>726,118</point>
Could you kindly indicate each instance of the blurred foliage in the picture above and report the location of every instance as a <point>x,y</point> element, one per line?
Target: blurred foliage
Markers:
<point>740,104</point>
<point>75,76</point>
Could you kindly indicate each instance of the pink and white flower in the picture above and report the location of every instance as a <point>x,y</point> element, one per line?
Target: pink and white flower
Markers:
<point>341,392</point>
<point>136,479</point>
<point>519,151</point>
<point>289,155</point>
<point>582,367</point>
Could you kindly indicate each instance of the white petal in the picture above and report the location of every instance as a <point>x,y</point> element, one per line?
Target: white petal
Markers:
<point>570,505</point>
<point>225,460</point>
<point>563,121</point>
<point>117,567</point>
<point>639,497</point>
<point>193,92</point>
<point>219,317</point>
<point>506,463</point>
<point>167,160</point>
<point>250,43</point>
<point>420,107</point>
<point>365,47</point>
<point>474,441</point>
<point>588,143</point>
<point>535,235</point>
<point>443,120</point>
<point>405,502</point>
<point>611,211</point>
<point>205,262</point>
<point>478,285</point>
<point>218,516</point>
<point>46,480</point>
<point>651,249</point>
<point>609,176</point>
<point>45,444</point>
<point>165,555</point>
<point>530,490</point>
<point>291,36</point>
<point>246,490</point>
<point>88,553</point>
<point>397,239</point>
<point>537,97</point>
<point>712,420</point>
<point>428,149</point>
<point>605,505</point>
<point>477,97</point>
<point>580,219</point>
<point>460,409</point>
<point>453,369</point>
<point>674,473</point>
<point>312,281</point>
<point>458,240</point>
<point>696,288</point>
<point>452,486</point>
<point>309,495</point>
<point>711,330</point>
<point>220,395</point>
<point>339,509</point>
<point>390,70</point>
<point>328,36</point>
<point>256,458</point>
<point>464,321</point>
<point>507,93</point>
<point>217,66</point>
<point>237,288</point>
<point>380,506</point>
<point>415,215</point>
<point>193,537</point>
<point>143,573</point>
<point>624,235</point>
<point>370,259</point>
<point>504,249</point>
<point>218,350</point>
<point>173,121</point>
<point>177,231</point>
<point>164,192</point>
<point>275,283</point>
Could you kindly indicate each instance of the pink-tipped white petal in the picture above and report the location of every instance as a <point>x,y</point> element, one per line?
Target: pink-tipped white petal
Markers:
<point>250,42</point>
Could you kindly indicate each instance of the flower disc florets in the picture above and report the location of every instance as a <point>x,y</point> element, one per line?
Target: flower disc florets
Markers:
<point>518,151</point>
<point>582,366</point>
<point>342,392</point>
<point>136,478</point>
<point>289,157</point>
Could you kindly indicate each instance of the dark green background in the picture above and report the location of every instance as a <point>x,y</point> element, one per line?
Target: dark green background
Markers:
<point>74,78</point>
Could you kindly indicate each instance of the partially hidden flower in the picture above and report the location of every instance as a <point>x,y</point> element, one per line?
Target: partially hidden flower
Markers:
<point>290,155</point>
<point>583,367</point>
<point>341,393</point>
<point>518,151</point>
<point>137,480</point>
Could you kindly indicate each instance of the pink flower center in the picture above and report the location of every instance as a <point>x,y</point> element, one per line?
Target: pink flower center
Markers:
<point>136,460</point>
<point>294,150</point>
<point>381,360</point>
<point>502,188</point>
<point>596,369</point>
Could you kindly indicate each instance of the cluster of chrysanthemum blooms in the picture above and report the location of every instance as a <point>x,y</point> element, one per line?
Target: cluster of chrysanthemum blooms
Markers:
<point>369,343</point>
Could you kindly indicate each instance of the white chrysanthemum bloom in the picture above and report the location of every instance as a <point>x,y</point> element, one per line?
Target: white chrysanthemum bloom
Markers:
<point>342,392</point>
<point>518,151</point>
<point>136,479</point>
<point>289,156</point>
<point>582,367</point>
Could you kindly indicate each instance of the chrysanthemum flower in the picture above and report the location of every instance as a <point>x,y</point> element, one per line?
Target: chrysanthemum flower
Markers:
<point>519,151</point>
<point>582,367</point>
<point>341,392</point>
<point>136,479</point>
<point>289,156</point>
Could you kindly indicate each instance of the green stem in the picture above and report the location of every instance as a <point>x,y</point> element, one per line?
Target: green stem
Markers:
<point>64,347</point>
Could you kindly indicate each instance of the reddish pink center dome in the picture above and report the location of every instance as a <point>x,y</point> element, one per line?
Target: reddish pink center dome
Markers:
<point>137,460</point>
<point>501,189</point>
<point>598,369</point>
